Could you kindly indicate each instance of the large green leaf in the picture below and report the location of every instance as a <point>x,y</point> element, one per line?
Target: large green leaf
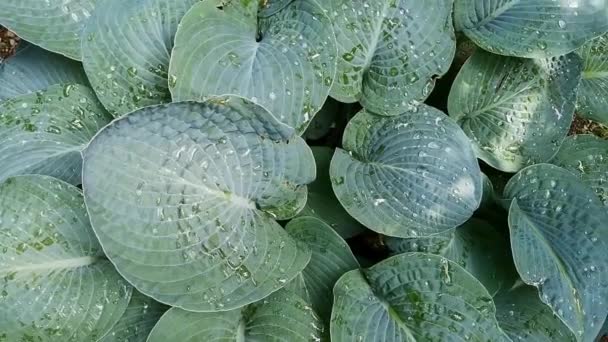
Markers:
<point>390,51</point>
<point>55,25</point>
<point>126,51</point>
<point>32,69</point>
<point>409,175</point>
<point>44,132</point>
<point>524,317</point>
<point>413,297</point>
<point>331,258</point>
<point>322,201</point>
<point>531,28</point>
<point>587,156</point>
<point>592,101</point>
<point>559,239</point>
<point>281,317</point>
<point>515,111</point>
<point>476,246</point>
<point>285,62</point>
<point>138,320</point>
<point>56,286</point>
<point>182,198</point>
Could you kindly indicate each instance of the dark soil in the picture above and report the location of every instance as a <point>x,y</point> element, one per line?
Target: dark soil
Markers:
<point>583,126</point>
<point>8,43</point>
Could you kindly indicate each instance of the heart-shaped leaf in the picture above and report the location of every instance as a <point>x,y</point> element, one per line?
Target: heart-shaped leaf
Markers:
<point>44,132</point>
<point>127,65</point>
<point>32,69</point>
<point>54,25</point>
<point>285,62</point>
<point>182,198</point>
<point>390,51</point>
<point>515,111</point>
<point>476,246</point>
<point>57,285</point>
<point>322,201</point>
<point>407,176</point>
<point>559,239</point>
<point>524,317</point>
<point>586,156</point>
<point>413,297</point>
<point>283,316</point>
<point>592,101</point>
<point>530,28</point>
<point>331,258</point>
<point>138,320</point>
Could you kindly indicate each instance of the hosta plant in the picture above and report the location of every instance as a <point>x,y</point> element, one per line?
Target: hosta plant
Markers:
<point>303,170</point>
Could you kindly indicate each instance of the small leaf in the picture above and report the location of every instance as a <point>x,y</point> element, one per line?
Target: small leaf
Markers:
<point>54,25</point>
<point>592,101</point>
<point>285,62</point>
<point>531,28</point>
<point>182,198</point>
<point>413,297</point>
<point>524,317</point>
<point>322,201</point>
<point>32,69</point>
<point>559,239</point>
<point>283,316</point>
<point>515,111</point>
<point>390,51</point>
<point>57,286</point>
<point>407,176</point>
<point>44,132</point>
<point>126,51</point>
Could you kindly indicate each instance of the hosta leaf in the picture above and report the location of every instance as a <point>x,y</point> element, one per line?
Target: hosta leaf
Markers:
<point>476,246</point>
<point>126,51</point>
<point>322,201</point>
<point>32,69</point>
<point>516,111</point>
<point>322,123</point>
<point>182,198</point>
<point>586,156</point>
<point>44,132</point>
<point>592,101</point>
<point>603,335</point>
<point>281,317</point>
<point>390,51</point>
<point>285,62</point>
<point>54,25</point>
<point>413,297</point>
<point>524,317</point>
<point>531,28</point>
<point>57,286</point>
<point>270,7</point>
<point>331,258</point>
<point>409,175</point>
<point>559,239</point>
<point>138,320</point>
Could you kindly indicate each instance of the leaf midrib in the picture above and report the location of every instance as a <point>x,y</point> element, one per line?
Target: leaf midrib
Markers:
<point>69,263</point>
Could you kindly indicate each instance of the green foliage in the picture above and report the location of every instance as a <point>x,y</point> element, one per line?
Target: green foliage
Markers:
<point>283,170</point>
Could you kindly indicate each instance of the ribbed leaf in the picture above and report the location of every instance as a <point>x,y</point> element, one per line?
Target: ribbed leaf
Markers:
<point>182,198</point>
<point>54,25</point>
<point>515,111</point>
<point>126,51</point>
<point>531,28</point>
<point>390,51</point>
<point>592,101</point>
<point>524,317</point>
<point>322,201</point>
<point>331,258</point>
<point>281,317</point>
<point>559,239</point>
<point>413,297</point>
<point>476,246</point>
<point>32,69</point>
<point>409,175</point>
<point>285,62</point>
<point>57,286</point>
<point>44,132</point>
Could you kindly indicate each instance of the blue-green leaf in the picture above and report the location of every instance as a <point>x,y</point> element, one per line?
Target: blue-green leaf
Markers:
<point>592,101</point>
